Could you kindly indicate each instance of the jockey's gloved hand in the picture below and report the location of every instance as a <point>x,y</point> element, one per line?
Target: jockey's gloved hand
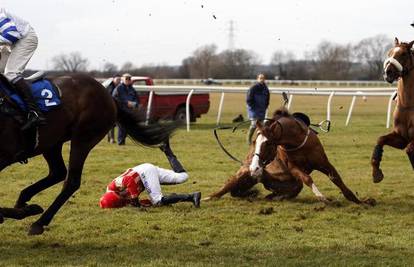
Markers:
<point>135,202</point>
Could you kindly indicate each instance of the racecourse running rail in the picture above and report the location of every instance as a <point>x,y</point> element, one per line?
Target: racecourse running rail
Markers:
<point>329,92</point>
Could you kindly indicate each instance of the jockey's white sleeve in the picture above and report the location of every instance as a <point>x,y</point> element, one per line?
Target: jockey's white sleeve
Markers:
<point>12,28</point>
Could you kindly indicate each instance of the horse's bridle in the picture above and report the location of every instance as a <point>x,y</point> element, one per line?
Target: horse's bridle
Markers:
<point>402,70</point>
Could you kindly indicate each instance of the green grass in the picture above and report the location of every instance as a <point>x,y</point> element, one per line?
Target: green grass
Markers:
<point>228,232</point>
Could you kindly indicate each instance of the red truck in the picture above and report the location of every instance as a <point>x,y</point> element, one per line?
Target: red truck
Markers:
<point>169,105</point>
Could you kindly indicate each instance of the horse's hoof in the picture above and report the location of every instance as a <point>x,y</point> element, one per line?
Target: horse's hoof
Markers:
<point>377,175</point>
<point>32,210</point>
<point>370,201</point>
<point>324,199</point>
<point>36,229</point>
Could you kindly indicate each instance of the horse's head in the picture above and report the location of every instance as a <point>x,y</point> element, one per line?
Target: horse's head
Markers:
<point>399,62</point>
<point>265,146</point>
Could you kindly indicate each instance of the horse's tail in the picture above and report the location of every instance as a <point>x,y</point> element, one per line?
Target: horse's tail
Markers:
<point>148,135</point>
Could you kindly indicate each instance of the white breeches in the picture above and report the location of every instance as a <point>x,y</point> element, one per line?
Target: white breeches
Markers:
<point>13,63</point>
<point>153,177</point>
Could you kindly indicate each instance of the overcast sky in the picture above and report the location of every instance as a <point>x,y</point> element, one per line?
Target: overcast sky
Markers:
<point>167,31</point>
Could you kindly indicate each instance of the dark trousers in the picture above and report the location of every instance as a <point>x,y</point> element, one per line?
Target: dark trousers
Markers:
<point>111,134</point>
<point>121,135</point>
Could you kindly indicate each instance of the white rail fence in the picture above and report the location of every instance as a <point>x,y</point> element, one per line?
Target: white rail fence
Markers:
<point>302,83</point>
<point>330,93</point>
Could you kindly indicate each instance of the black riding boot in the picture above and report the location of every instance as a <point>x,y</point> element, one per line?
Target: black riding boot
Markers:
<point>174,198</point>
<point>35,116</point>
<point>172,159</point>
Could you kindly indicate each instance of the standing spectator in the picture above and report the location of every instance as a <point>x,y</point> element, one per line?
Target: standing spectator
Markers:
<point>257,100</point>
<point>116,80</point>
<point>128,98</point>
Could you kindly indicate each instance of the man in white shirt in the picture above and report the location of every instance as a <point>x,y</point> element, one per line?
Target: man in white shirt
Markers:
<point>21,40</point>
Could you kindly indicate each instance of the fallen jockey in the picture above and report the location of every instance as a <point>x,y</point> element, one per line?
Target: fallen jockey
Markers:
<point>126,188</point>
<point>21,40</point>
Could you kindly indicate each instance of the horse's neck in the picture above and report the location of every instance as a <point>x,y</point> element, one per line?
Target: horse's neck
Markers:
<point>406,91</point>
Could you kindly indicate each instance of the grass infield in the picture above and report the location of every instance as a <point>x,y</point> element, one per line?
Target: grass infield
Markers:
<point>228,232</point>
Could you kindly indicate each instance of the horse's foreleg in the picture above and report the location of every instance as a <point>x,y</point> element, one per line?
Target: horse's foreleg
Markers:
<point>307,180</point>
<point>394,140</point>
<point>334,176</point>
<point>57,173</point>
<point>410,153</point>
<point>78,154</point>
<point>242,181</point>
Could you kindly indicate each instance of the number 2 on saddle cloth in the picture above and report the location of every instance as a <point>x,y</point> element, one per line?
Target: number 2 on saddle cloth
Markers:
<point>47,97</point>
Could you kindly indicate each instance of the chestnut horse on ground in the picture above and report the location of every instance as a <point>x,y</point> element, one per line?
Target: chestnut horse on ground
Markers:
<point>86,114</point>
<point>275,178</point>
<point>399,66</point>
<point>299,148</point>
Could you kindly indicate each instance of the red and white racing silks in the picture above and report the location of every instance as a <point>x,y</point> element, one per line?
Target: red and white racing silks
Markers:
<point>128,184</point>
<point>134,181</point>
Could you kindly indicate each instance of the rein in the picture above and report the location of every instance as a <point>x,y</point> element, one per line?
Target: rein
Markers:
<point>320,125</point>
<point>233,130</point>
<point>300,146</point>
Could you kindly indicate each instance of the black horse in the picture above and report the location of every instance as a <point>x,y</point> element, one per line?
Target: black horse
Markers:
<point>86,114</point>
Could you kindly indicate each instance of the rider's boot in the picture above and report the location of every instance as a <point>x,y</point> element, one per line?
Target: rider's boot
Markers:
<point>172,159</point>
<point>174,198</point>
<point>35,116</point>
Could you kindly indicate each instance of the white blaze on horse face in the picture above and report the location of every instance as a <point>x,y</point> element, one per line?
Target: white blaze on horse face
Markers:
<point>392,61</point>
<point>255,169</point>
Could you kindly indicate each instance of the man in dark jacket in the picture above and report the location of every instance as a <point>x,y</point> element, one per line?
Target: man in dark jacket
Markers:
<point>127,96</point>
<point>257,100</point>
<point>116,80</point>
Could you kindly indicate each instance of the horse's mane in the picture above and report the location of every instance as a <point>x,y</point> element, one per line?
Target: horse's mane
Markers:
<point>281,112</point>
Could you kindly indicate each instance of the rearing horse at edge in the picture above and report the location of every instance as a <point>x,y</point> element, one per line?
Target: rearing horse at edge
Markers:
<point>86,114</point>
<point>398,66</point>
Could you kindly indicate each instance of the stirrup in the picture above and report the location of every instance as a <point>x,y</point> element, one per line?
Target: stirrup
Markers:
<point>33,120</point>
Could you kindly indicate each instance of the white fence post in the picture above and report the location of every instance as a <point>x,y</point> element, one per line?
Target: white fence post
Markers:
<point>328,106</point>
<point>351,107</point>
<point>220,109</point>
<point>389,109</point>
<point>290,101</point>
<point>149,106</point>
<point>187,109</point>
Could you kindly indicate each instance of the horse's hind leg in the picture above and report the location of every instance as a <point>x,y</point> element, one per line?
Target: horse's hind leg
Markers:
<point>282,190</point>
<point>57,173</point>
<point>78,154</point>
<point>241,182</point>
<point>393,140</point>
<point>334,176</point>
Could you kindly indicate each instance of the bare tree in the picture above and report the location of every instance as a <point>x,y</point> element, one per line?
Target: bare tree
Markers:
<point>110,68</point>
<point>371,52</point>
<point>236,64</point>
<point>332,61</point>
<point>73,62</point>
<point>128,67</point>
<point>199,64</point>
<point>279,63</point>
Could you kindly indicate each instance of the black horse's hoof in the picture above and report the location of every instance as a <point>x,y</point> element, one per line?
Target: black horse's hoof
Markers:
<point>32,210</point>
<point>370,202</point>
<point>377,176</point>
<point>36,229</point>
